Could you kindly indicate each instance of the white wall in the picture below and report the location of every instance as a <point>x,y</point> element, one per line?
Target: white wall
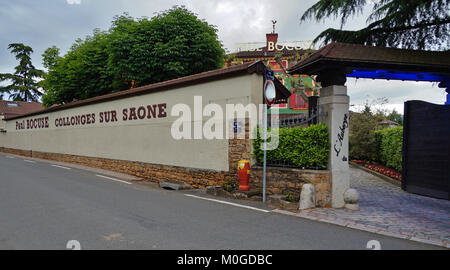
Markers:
<point>146,140</point>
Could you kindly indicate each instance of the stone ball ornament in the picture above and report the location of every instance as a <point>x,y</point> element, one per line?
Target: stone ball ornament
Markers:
<point>351,198</point>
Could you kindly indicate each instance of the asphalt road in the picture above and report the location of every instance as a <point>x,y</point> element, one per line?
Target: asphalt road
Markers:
<point>43,207</point>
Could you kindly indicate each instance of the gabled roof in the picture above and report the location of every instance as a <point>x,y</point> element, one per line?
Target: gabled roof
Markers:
<point>16,108</point>
<point>388,122</point>
<point>257,67</point>
<point>350,56</point>
<point>262,53</point>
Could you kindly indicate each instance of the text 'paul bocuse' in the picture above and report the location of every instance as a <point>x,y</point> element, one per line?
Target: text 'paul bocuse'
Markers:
<point>128,114</point>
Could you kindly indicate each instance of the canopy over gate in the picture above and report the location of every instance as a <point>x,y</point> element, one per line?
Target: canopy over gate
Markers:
<point>337,61</point>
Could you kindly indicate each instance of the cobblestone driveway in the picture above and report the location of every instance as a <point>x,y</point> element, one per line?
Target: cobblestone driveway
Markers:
<point>387,209</point>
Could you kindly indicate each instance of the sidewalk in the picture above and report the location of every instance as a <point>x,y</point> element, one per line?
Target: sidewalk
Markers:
<point>387,209</point>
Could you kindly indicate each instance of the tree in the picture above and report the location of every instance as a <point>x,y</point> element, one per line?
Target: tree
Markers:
<point>413,24</point>
<point>396,117</point>
<point>82,73</point>
<point>172,44</point>
<point>134,52</point>
<point>362,140</point>
<point>24,86</point>
<point>362,143</point>
<point>50,57</point>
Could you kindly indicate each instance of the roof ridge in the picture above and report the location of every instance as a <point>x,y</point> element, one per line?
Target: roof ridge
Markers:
<point>385,47</point>
<point>151,87</point>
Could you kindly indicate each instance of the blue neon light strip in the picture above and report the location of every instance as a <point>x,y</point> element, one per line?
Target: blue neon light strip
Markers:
<point>395,75</point>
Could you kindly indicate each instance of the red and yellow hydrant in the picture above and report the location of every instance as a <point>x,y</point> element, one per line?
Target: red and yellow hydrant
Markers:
<point>244,175</point>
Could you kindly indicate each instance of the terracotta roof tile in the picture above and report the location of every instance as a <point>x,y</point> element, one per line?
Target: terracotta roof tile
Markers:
<point>16,108</point>
<point>246,68</point>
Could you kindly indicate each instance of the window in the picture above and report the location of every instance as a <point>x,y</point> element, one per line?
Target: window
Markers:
<point>10,104</point>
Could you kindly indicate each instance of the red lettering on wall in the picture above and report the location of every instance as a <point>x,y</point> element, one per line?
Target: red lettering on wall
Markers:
<point>114,116</point>
<point>107,116</point>
<point>132,114</point>
<point>141,112</point>
<point>125,114</point>
<point>88,119</point>
<point>162,110</point>
<point>151,111</point>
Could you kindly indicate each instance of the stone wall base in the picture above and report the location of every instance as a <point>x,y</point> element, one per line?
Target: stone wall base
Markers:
<point>290,181</point>
<point>279,180</point>
<point>197,178</point>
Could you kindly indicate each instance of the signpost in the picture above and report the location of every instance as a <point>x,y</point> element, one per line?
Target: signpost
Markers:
<point>270,76</point>
<point>269,98</point>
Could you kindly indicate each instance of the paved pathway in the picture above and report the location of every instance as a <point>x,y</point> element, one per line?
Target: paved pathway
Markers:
<point>387,209</point>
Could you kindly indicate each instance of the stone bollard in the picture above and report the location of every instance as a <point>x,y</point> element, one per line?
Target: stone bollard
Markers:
<point>351,197</point>
<point>307,197</point>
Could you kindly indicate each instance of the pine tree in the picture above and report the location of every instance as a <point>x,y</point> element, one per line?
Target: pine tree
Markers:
<point>24,86</point>
<point>412,24</point>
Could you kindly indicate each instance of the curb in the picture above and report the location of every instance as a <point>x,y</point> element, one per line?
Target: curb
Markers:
<point>367,228</point>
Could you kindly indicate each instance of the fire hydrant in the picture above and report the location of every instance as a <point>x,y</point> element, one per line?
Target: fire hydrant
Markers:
<point>244,175</point>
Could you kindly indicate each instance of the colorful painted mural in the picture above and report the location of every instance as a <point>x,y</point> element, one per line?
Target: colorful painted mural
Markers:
<point>295,104</point>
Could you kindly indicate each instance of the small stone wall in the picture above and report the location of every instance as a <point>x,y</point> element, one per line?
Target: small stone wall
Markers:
<point>18,152</point>
<point>197,178</point>
<point>290,181</point>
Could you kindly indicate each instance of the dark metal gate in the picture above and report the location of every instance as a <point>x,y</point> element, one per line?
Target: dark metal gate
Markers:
<point>426,149</point>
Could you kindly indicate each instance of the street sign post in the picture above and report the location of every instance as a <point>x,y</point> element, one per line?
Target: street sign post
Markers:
<point>269,98</point>
<point>270,75</point>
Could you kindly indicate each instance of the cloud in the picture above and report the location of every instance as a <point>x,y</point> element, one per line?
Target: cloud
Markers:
<point>44,23</point>
<point>397,92</point>
<point>74,2</point>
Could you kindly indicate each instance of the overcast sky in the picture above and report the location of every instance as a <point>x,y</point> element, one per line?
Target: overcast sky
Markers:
<point>44,23</point>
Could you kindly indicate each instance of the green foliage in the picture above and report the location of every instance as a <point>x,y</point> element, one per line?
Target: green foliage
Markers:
<point>372,145</point>
<point>24,85</point>
<point>389,147</point>
<point>396,117</point>
<point>179,45</point>
<point>50,57</point>
<point>289,197</point>
<point>362,144</point>
<point>303,147</point>
<point>229,185</point>
<point>172,44</point>
<point>82,73</point>
<point>417,24</point>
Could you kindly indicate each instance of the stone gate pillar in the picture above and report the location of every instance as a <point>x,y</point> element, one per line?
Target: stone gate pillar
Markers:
<point>334,110</point>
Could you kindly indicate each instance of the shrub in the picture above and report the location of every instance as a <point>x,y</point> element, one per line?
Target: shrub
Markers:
<point>389,147</point>
<point>303,147</point>
<point>230,186</point>
<point>362,144</point>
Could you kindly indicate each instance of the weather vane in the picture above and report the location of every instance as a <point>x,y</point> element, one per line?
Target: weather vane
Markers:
<point>274,22</point>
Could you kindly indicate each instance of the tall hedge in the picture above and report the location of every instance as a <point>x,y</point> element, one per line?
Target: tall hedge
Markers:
<point>304,147</point>
<point>389,147</point>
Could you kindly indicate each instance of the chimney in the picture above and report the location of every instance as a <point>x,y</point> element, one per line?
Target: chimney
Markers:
<point>271,41</point>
